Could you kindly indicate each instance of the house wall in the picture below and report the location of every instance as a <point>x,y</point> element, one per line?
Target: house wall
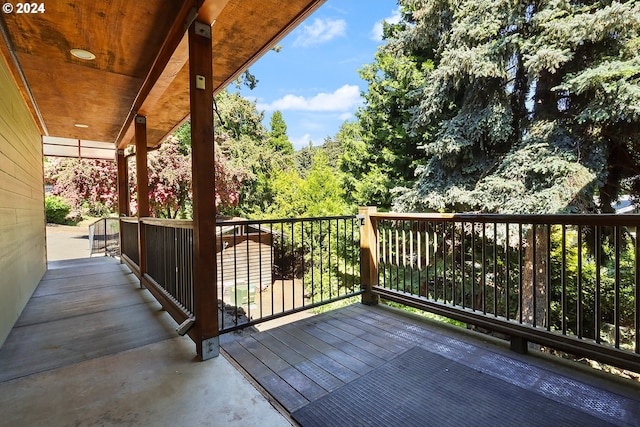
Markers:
<point>22,218</point>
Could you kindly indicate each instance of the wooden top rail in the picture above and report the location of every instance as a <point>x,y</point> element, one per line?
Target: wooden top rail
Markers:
<point>187,223</point>
<point>566,219</point>
<point>170,223</point>
<point>240,221</point>
<point>129,219</point>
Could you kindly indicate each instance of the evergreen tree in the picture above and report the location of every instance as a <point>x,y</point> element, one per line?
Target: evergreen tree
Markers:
<point>278,138</point>
<point>380,151</point>
<point>530,107</point>
<point>522,107</point>
<point>246,142</point>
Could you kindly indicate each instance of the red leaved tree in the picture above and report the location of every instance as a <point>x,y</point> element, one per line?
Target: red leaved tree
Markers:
<point>170,192</point>
<point>85,184</point>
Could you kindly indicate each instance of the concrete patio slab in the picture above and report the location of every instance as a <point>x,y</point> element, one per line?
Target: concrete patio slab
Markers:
<point>159,384</point>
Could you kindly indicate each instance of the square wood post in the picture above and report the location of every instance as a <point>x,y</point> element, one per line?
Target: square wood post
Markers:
<point>142,181</point>
<point>123,183</point>
<point>368,255</point>
<point>123,190</point>
<point>205,329</point>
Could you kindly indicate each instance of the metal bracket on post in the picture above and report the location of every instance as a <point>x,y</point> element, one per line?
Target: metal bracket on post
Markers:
<point>210,348</point>
<point>362,219</point>
<point>193,14</point>
<point>141,119</point>
<point>202,29</point>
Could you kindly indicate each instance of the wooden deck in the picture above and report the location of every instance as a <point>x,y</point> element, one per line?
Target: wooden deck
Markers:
<point>303,361</point>
<point>90,308</point>
<point>82,309</point>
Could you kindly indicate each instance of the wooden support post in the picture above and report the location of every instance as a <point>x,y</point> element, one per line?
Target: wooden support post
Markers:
<point>142,180</point>
<point>368,255</point>
<point>123,190</point>
<point>205,330</point>
<point>123,183</point>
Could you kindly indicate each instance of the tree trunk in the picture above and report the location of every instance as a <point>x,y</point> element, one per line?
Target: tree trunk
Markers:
<point>534,282</point>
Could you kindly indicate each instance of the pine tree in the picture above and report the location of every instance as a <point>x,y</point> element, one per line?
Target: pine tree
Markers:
<point>534,104</point>
<point>278,138</point>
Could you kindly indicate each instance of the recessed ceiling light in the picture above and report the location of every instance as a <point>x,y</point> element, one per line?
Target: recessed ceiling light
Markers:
<point>81,125</point>
<point>82,54</point>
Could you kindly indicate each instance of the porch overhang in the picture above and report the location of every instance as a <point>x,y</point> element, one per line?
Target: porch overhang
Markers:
<point>141,64</point>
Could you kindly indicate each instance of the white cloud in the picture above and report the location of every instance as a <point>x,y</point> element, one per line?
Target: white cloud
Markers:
<point>342,99</point>
<point>301,142</point>
<point>376,31</point>
<point>345,116</point>
<point>320,31</point>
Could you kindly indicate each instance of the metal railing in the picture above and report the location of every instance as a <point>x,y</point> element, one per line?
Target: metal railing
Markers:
<point>265,269</point>
<point>569,282</point>
<point>104,237</point>
<point>129,241</point>
<point>272,268</point>
<point>169,260</point>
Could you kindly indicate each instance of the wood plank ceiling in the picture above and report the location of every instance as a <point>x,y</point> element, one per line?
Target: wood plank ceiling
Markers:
<point>141,59</point>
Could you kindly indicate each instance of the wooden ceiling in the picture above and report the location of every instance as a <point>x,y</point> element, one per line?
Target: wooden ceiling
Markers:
<point>141,64</point>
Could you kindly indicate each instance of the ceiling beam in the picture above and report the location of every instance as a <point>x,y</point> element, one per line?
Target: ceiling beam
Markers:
<point>174,37</point>
<point>149,96</point>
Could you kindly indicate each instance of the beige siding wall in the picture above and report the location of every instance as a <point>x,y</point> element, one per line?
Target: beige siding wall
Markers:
<point>22,219</point>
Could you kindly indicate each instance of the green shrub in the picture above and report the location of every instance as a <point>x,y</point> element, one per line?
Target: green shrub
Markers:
<point>57,209</point>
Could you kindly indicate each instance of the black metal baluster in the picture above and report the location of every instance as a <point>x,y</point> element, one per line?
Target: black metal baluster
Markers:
<point>473,266</point>
<point>521,278</point>
<point>617,230</point>
<point>483,278</point>
<point>548,284</point>
<point>580,320</point>
<point>495,269</point>
<point>563,280</point>
<point>597,296</point>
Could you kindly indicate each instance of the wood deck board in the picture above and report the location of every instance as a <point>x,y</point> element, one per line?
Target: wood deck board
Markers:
<point>249,362</point>
<point>81,270</point>
<point>266,356</point>
<point>294,343</point>
<point>360,342</point>
<point>115,274</point>
<point>370,356</point>
<point>337,347</point>
<point>322,377</point>
<point>284,351</point>
<point>302,383</point>
<point>330,357</point>
<point>394,326</point>
<point>76,315</point>
<point>329,364</point>
<point>358,360</point>
<point>283,392</point>
<point>86,302</point>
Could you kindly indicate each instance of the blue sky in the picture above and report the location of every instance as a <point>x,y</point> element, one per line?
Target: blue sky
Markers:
<point>314,80</point>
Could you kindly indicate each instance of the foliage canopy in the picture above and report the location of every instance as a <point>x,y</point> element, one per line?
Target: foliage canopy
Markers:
<point>512,107</point>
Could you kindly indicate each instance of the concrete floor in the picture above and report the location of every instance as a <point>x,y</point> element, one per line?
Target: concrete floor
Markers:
<point>160,384</point>
<point>157,384</point>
